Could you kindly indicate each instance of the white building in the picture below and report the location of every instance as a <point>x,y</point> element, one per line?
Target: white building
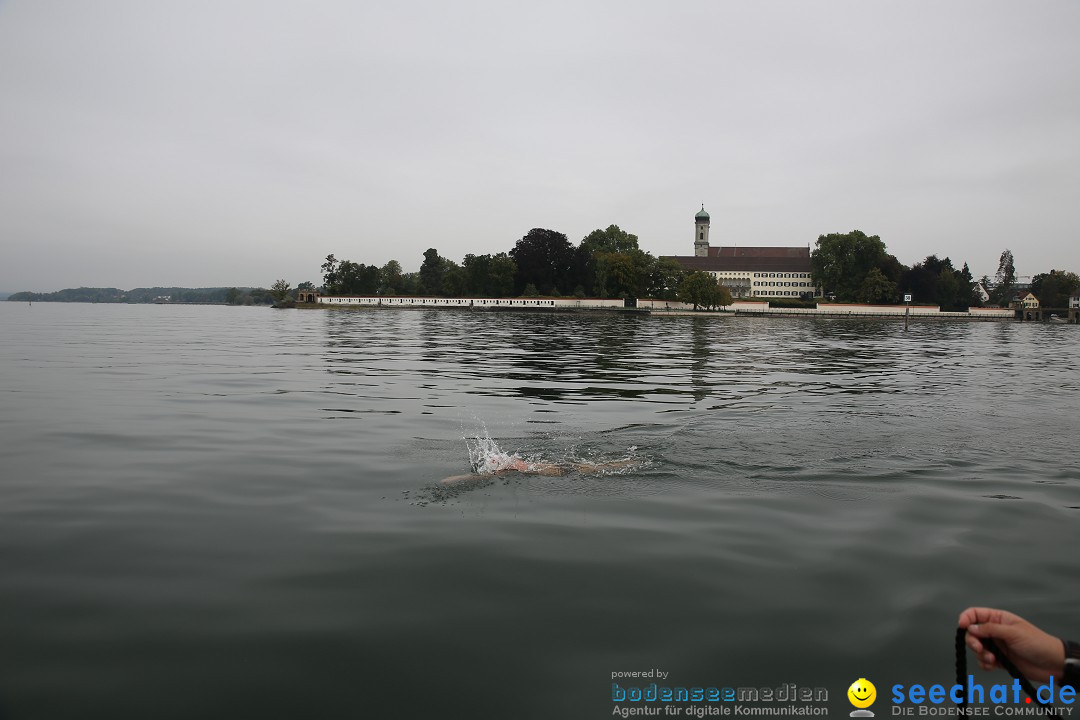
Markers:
<point>751,272</point>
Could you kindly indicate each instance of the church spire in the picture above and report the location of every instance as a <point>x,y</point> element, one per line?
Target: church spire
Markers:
<point>701,233</point>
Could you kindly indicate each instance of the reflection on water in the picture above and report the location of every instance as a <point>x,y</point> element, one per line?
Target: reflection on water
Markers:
<point>248,503</point>
<point>576,359</point>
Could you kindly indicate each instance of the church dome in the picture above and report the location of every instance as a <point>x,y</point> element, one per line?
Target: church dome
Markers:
<point>702,215</point>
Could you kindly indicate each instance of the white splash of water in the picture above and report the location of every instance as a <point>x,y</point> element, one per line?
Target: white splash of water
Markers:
<point>486,457</point>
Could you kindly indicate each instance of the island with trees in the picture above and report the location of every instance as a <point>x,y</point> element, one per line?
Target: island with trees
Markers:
<point>848,267</point>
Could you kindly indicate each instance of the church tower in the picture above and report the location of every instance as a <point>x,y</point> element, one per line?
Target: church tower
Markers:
<point>701,233</point>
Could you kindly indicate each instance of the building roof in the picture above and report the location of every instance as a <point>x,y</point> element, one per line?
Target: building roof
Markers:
<point>702,215</point>
<point>749,259</point>
<point>760,252</point>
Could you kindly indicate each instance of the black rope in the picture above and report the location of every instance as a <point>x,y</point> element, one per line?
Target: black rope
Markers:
<point>1004,662</point>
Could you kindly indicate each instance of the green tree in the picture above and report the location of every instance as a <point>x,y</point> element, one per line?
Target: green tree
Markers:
<point>279,290</point>
<point>489,275</point>
<point>432,272</point>
<point>935,281</point>
<point>357,278</point>
<point>612,240</point>
<point>664,276</point>
<point>501,276</point>
<point>719,297</point>
<point>454,282</point>
<point>952,295</point>
<point>544,258</point>
<point>702,290</point>
<point>530,291</point>
<point>600,276</point>
<point>623,274</point>
<point>583,271</point>
<point>609,263</point>
<point>1005,280</point>
<point>840,262</point>
<point>390,280</point>
<point>920,280</point>
<point>330,275</point>
<point>967,288</point>
<point>477,268</point>
<point>876,288</point>
<point>627,279</point>
<point>410,284</point>
<point>1055,288</point>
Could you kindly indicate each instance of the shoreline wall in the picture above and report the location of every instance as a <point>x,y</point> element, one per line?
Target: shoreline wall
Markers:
<point>661,307</point>
<point>852,309</point>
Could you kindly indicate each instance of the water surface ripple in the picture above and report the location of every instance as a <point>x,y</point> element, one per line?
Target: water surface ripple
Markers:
<point>236,512</point>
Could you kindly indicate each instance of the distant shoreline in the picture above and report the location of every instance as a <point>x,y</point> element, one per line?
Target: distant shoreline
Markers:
<point>149,296</point>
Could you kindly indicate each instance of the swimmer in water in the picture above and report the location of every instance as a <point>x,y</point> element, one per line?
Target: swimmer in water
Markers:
<point>501,464</point>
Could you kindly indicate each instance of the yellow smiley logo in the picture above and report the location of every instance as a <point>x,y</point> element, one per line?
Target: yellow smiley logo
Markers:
<point>862,693</point>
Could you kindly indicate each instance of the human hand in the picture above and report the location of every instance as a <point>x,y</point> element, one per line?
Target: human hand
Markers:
<point>1037,654</point>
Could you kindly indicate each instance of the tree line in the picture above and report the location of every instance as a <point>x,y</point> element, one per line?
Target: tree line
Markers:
<point>606,263</point>
<point>1055,288</point>
<point>855,267</point>
<point>845,267</point>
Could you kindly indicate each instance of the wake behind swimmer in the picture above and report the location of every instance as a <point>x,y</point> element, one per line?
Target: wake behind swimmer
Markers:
<point>488,459</point>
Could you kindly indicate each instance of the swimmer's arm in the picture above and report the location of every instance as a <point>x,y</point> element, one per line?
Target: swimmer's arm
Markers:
<point>455,479</point>
<point>475,477</point>
<point>545,469</point>
<point>549,469</point>
<point>535,468</point>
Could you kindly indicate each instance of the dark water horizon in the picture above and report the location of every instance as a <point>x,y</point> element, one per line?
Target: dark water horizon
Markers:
<point>237,512</point>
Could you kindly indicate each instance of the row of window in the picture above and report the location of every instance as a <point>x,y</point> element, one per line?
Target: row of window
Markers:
<point>761,275</point>
<point>774,293</point>
<point>784,284</point>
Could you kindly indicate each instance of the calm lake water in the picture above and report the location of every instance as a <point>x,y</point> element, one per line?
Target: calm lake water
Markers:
<point>213,512</point>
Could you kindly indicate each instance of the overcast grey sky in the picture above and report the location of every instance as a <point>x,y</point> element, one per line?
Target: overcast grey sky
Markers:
<point>168,142</point>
